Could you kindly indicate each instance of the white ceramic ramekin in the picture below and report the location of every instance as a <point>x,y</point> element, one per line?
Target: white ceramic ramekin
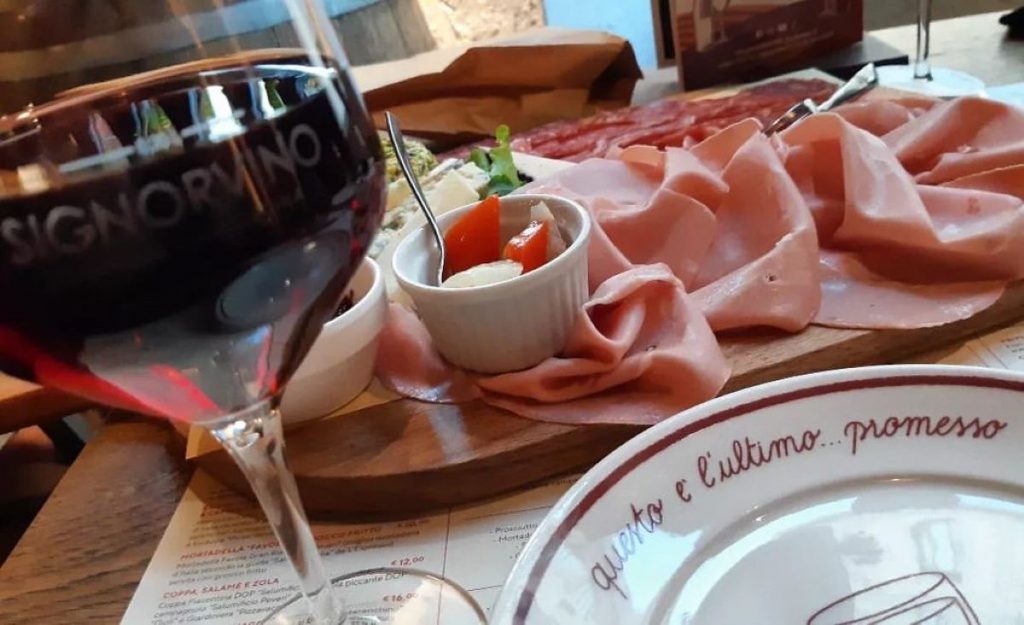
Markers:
<point>511,325</point>
<point>340,364</point>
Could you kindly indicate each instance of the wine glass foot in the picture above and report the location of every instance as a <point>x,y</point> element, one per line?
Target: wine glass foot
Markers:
<point>390,596</point>
<point>945,82</point>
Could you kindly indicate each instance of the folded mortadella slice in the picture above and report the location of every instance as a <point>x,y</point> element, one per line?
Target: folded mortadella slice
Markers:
<point>723,216</point>
<point>856,297</point>
<point>879,117</point>
<point>1005,180</point>
<point>958,138</point>
<point>640,352</point>
<point>912,255</point>
<point>762,267</point>
<point>408,362</point>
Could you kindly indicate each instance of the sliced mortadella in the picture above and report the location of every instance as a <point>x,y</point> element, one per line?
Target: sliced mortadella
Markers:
<point>1005,180</point>
<point>855,297</point>
<point>879,117</point>
<point>640,352</point>
<point>761,269</point>
<point>779,289</point>
<point>717,150</point>
<point>408,362</point>
<point>958,138</point>
<point>637,221</point>
<point>670,228</point>
<point>724,211</point>
<point>904,230</point>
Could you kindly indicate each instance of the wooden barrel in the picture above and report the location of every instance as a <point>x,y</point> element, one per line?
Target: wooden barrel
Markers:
<point>49,46</point>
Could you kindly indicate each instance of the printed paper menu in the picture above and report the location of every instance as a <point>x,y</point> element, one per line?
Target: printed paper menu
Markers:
<point>219,564</point>
<point>1002,349</point>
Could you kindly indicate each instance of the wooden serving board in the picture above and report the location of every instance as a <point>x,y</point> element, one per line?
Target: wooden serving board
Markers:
<point>408,456</point>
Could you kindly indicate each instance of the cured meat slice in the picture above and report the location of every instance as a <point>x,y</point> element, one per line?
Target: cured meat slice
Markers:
<point>959,138</point>
<point>907,231</point>
<point>761,268</point>
<point>856,297</point>
<point>641,351</point>
<point>408,362</point>
<point>1005,180</point>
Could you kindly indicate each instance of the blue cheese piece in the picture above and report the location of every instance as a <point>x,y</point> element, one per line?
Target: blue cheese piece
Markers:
<point>450,185</point>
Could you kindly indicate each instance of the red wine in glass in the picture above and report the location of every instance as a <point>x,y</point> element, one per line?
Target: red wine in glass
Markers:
<point>174,246</point>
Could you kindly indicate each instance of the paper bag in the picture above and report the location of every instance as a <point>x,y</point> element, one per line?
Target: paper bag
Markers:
<point>531,79</point>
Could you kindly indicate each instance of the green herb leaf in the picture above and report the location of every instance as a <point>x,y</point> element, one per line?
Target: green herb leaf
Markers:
<point>501,186</point>
<point>479,158</point>
<point>502,165</point>
<point>497,162</point>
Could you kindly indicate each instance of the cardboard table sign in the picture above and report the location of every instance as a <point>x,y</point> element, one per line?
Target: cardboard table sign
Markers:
<point>720,41</point>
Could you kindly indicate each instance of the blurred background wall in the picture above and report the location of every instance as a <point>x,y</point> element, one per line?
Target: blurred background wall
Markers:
<point>452,22</point>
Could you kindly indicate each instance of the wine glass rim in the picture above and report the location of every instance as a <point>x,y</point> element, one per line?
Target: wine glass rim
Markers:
<point>110,92</point>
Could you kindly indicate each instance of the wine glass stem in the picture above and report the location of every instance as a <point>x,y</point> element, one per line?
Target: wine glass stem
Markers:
<point>922,68</point>
<point>254,439</point>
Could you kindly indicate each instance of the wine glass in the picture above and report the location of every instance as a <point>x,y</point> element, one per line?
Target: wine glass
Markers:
<point>921,77</point>
<point>172,242</point>
<point>921,598</point>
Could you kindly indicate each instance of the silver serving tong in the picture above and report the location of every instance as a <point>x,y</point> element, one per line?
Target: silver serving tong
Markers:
<point>861,82</point>
<point>398,141</point>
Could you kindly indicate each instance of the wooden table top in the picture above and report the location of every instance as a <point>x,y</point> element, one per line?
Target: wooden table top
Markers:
<point>976,44</point>
<point>81,559</point>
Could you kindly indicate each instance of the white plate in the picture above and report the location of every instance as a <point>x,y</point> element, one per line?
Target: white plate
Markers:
<point>884,495</point>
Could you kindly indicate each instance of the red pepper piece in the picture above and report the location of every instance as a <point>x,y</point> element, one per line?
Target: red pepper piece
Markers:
<point>529,248</point>
<point>475,238</point>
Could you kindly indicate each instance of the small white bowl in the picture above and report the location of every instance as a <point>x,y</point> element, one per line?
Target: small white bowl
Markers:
<point>511,325</point>
<point>340,364</point>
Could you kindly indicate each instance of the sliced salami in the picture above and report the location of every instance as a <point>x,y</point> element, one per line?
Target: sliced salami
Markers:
<point>665,123</point>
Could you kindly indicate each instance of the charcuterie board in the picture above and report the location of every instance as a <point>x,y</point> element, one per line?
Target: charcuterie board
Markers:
<point>404,456</point>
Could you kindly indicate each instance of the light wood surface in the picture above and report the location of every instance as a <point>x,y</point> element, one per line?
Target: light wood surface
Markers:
<point>23,404</point>
<point>81,559</point>
<point>975,44</point>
